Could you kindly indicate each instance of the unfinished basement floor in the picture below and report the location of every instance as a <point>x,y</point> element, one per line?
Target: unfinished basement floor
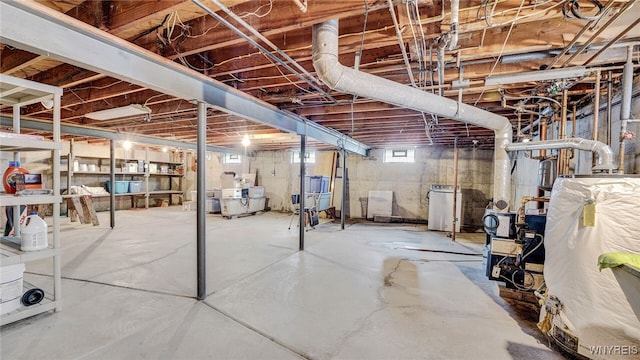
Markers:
<point>129,293</point>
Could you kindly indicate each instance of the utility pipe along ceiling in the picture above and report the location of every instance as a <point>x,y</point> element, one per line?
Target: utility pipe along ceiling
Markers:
<point>485,54</point>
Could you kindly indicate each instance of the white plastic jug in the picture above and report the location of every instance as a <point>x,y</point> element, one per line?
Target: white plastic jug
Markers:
<point>34,233</point>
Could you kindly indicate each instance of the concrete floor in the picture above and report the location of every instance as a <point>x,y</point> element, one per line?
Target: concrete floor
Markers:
<point>353,294</point>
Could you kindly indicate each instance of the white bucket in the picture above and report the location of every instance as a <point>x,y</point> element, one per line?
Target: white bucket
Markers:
<point>10,287</point>
<point>34,233</point>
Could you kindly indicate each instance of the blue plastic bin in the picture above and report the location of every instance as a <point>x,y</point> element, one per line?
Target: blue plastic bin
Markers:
<point>121,187</point>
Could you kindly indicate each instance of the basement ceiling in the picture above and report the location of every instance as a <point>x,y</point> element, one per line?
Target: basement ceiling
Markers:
<point>495,38</point>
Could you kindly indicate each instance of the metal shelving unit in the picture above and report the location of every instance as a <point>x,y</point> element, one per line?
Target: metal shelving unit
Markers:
<point>17,92</point>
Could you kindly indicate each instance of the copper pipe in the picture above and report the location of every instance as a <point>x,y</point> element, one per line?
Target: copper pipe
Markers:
<point>575,118</point>
<point>524,201</point>
<point>543,137</point>
<point>562,133</point>
<point>596,107</point>
<point>609,109</point>
<point>519,124</point>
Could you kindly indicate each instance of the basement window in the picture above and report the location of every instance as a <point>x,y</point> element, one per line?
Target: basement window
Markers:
<point>399,156</point>
<point>232,159</point>
<point>309,157</point>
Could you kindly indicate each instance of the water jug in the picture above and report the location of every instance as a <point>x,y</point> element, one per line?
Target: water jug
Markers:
<point>34,233</point>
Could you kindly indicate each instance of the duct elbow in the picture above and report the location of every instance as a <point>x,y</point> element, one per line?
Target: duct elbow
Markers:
<point>325,53</point>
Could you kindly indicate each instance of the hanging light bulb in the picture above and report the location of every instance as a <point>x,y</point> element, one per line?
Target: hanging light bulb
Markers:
<point>245,140</point>
<point>165,149</point>
<point>126,144</point>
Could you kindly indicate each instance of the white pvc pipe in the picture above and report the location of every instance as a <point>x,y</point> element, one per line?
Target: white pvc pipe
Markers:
<point>346,79</point>
<point>605,154</point>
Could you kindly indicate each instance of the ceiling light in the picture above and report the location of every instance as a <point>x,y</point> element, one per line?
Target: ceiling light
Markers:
<point>245,140</point>
<point>542,75</point>
<point>126,144</point>
<point>114,113</point>
<point>165,149</point>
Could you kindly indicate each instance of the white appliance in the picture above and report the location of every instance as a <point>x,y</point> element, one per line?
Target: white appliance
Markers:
<point>441,208</point>
<point>232,193</point>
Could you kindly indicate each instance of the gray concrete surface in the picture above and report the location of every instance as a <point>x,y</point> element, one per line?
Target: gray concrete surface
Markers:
<point>353,294</point>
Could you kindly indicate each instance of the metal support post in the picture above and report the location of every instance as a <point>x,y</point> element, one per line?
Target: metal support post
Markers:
<point>303,145</point>
<point>201,233</point>
<point>343,207</point>
<point>112,180</point>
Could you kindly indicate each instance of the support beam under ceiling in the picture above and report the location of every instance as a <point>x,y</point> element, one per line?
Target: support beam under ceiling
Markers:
<point>41,125</point>
<point>61,37</point>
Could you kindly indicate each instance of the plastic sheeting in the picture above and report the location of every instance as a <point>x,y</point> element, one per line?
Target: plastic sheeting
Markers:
<point>599,308</point>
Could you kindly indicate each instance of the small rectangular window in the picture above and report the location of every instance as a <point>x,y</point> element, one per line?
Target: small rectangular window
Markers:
<point>399,155</point>
<point>309,157</point>
<point>232,159</point>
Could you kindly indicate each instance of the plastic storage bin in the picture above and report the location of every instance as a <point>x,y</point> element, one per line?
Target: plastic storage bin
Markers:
<point>318,184</point>
<point>121,187</point>
<point>10,287</point>
<point>135,186</point>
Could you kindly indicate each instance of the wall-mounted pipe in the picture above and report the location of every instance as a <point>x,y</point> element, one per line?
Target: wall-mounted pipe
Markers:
<point>625,106</point>
<point>605,154</point>
<point>346,79</point>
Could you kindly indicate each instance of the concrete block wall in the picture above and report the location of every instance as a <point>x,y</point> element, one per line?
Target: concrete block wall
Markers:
<point>409,182</point>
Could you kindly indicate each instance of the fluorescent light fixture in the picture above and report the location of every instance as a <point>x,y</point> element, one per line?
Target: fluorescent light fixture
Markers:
<point>542,75</point>
<point>129,110</point>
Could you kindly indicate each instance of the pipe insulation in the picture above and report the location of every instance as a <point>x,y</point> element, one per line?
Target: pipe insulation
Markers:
<point>455,9</point>
<point>605,154</point>
<point>346,79</point>
<point>625,106</point>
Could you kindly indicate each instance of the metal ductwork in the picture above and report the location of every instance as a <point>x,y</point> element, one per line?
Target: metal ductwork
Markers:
<point>605,154</point>
<point>342,78</point>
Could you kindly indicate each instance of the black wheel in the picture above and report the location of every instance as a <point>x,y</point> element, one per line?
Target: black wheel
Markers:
<point>32,297</point>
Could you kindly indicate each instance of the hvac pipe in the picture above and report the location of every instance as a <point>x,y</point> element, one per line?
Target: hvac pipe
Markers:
<point>346,79</point>
<point>625,106</point>
<point>605,154</point>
